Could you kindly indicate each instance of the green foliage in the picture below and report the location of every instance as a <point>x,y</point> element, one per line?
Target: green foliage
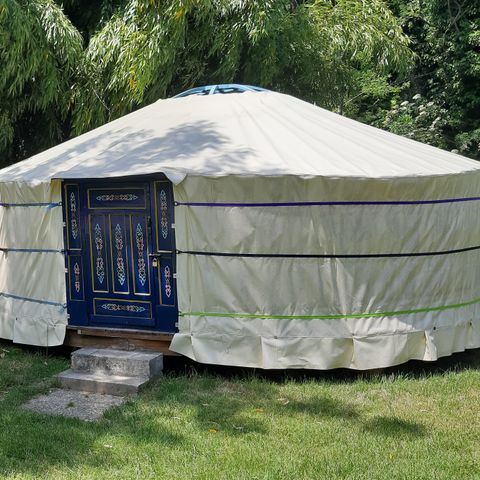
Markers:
<point>137,51</point>
<point>313,50</point>
<point>39,53</point>
<point>445,36</point>
<point>417,119</point>
<point>453,33</point>
<point>350,56</point>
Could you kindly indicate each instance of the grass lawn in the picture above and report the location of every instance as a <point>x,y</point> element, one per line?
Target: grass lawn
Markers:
<point>411,423</point>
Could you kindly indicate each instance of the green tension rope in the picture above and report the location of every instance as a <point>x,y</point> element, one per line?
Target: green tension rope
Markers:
<point>332,317</point>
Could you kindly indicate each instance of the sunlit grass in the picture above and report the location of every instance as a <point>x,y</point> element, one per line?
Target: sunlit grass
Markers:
<point>402,425</point>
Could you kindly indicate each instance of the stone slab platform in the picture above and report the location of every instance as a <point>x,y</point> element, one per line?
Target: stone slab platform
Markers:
<point>70,403</point>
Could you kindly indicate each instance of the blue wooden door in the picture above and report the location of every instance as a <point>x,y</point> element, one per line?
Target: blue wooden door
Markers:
<point>120,254</point>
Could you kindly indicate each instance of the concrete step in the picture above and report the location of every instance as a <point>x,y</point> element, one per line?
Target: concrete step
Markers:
<point>105,383</point>
<point>136,363</point>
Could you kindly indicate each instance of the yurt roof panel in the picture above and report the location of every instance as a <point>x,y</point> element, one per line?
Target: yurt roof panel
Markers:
<point>248,134</point>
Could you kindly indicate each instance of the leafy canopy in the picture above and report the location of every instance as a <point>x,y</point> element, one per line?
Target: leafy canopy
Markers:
<point>40,51</point>
<point>64,72</point>
<point>151,49</point>
<point>438,102</point>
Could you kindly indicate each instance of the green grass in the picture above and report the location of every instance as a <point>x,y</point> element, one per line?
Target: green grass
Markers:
<point>409,424</point>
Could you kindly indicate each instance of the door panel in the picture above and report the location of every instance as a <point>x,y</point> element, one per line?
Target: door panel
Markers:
<point>119,264</point>
<point>117,198</point>
<point>140,251</point>
<point>118,253</point>
<point>163,206</point>
<point>122,308</point>
<point>75,278</point>
<point>167,290</point>
<point>98,252</point>
<point>165,282</point>
<point>72,214</point>
<point>74,262</point>
<point>120,242</point>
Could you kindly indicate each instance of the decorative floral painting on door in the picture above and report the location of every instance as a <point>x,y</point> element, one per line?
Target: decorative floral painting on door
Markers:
<point>120,254</point>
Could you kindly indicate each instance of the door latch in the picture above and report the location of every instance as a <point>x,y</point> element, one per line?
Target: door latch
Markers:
<point>155,257</point>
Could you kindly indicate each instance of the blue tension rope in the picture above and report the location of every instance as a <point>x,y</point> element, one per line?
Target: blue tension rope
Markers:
<point>35,300</point>
<point>40,204</point>
<point>30,250</point>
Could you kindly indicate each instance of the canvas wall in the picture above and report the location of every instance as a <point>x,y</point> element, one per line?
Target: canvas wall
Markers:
<point>289,311</point>
<point>281,311</point>
<point>32,269</point>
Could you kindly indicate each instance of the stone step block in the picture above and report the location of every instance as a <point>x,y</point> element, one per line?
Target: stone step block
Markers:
<point>118,362</point>
<point>104,383</point>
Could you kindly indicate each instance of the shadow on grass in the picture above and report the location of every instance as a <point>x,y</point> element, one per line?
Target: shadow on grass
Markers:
<point>394,427</point>
<point>36,444</point>
<point>235,408</point>
<point>233,402</point>
<point>468,360</point>
<point>324,407</point>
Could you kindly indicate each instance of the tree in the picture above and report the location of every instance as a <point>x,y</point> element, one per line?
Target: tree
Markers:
<point>313,49</point>
<point>439,101</point>
<point>39,53</point>
<point>136,51</point>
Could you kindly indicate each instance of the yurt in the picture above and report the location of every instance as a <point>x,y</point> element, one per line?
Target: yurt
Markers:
<point>250,229</point>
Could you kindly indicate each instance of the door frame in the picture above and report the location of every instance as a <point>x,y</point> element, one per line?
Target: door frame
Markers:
<point>79,299</point>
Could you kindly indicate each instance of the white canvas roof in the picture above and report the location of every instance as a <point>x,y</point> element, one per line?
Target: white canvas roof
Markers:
<point>248,134</point>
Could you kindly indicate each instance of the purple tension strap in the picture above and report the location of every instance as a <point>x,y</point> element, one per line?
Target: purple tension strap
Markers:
<point>307,204</point>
